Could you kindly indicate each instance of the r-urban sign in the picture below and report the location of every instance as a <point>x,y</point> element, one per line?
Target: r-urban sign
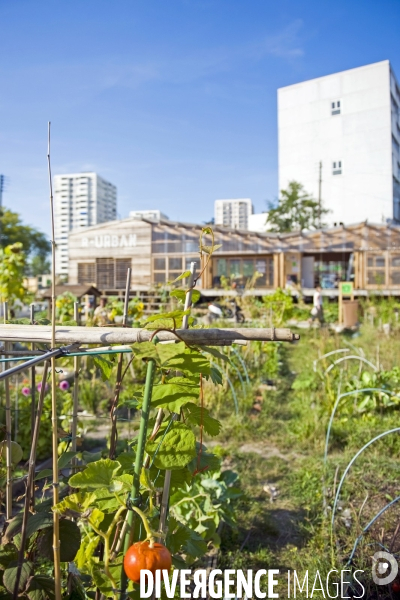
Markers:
<point>109,241</point>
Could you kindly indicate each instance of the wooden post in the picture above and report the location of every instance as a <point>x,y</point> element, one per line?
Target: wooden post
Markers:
<point>74,424</point>
<point>8,433</point>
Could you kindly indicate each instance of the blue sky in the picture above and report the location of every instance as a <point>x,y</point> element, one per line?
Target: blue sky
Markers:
<point>174,101</point>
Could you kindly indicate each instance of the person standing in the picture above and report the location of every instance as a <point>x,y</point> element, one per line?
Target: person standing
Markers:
<point>318,311</point>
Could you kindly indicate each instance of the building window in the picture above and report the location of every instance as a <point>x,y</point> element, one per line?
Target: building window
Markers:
<point>335,107</point>
<point>376,269</point>
<point>86,273</point>
<point>121,269</point>
<point>337,167</point>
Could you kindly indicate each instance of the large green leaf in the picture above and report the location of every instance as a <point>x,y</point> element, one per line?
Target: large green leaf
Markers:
<point>96,475</point>
<point>197,416</point>
<point>195,546</point>
<point>189,361</point>
<point>41,587</point>
<point>35,522</point>
<point>174,395</point>
<point>177,448</point>
<point>70,540</point>
<point>10,575</point>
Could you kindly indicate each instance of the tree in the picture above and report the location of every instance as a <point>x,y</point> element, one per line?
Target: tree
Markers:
<point>12,266</point>
<point>34,243</point>
<point>296,210</point>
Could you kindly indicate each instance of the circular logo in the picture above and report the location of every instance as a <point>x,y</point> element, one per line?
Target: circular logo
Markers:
<point>384,568</point>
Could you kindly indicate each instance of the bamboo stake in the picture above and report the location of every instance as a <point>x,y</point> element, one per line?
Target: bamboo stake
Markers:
<point>167,480</point>
<point>151,369</point>
<point>30,484</point>
<point>74,425</point>
<point>118,382</point>
<point>130,335</point>
<point>8,435</point>
<point>33,411</point>
<point>54,420</point>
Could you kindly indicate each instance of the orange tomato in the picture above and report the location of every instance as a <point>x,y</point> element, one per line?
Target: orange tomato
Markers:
<point>140,556</point>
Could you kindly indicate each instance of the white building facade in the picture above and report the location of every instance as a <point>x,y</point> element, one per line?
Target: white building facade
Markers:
<point>345,127</point>
<point>80,200</point>
<point>233,213</point>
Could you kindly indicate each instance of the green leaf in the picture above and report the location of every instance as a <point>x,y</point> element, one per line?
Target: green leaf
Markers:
<point>145,350</point>
<point>217,354</point>
<point>122,483</point>
<point>8,554</point>
<point>65,458</point>
<point>16,452</point>
<point>41,587</point>
<point>75,503</point>
<point>35,522</point>
<point>89,457</point>
<point>43,474</point>
<point>70,540</point>
<point>105,500</point>
<point>189,361</point>
<point>96,475</point>
<point>195,545</point>
<point>177,448</point>
<point>174,395</point>
<point>127,460</point>
<point>175,314</point>
<point>178,535</point>
<point>105,366</point>
<point>197,416</point>
<point>181,295</point>
<point>207,459</point>
<point>216,375</point>
<point>183,276</point>
<point>10,576</point>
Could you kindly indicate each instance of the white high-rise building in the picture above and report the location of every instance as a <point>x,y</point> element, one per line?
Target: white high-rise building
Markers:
<point>347,126</point>
<point>233,213</point>
<point>80,200</point>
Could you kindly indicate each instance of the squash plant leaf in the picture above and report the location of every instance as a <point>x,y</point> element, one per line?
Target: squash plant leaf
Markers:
<point>96,475</point>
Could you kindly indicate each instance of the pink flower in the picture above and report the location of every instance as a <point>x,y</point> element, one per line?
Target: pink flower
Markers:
<point>26,391</point>
<point>46,387</point>
<point>64,385</point>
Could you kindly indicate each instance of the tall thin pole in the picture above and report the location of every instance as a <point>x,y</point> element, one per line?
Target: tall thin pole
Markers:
<point>319,194</point>
<point>167,480</point>
<point>8,432</point>
<point>54,420</point>
<point>74,425</point>
<point>33,409</point>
